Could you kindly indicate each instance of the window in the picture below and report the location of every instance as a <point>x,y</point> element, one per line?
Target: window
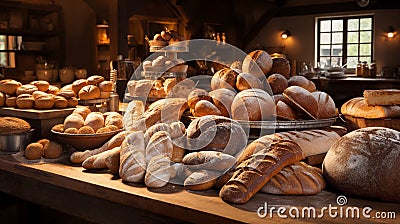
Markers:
<point>345,40</point>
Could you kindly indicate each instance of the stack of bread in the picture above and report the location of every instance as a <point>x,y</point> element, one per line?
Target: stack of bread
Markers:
<point>84,121</point>
<point>93,87</point>
<point>36,95</point>
<point>377,108</point>
<point>165,38</point>
<point>164,64</point>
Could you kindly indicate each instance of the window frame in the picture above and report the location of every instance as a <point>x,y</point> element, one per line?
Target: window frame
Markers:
<point>345,34</point>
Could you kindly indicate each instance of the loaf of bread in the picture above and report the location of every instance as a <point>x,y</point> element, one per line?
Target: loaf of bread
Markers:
<point>132,158</point>
<point>257,63</point>
<point>302,100</point>
<point>285,112</point>
<point>278,83</point>
<point>365,163</point>
<point>105,86</point>
<point>89,92</point>
<point>175,130</point>
<point>98,161</point>
<point>216,133</point>
<point>33,151</point>
<point>196,95</point>
<point>26,89</point>
<point>74,121</point>
<point>247,81</point>
<point>45,101</point>
<point>25,101</point>
<point>303,82</point>
<point>280,66</point>
<point>358,107</point>
<point>255,171</point>
<point>382,97</point>
<point>60,102</point>
<point>114,119</point>
<point>9,86</point>
<point>83,111</point>
<point>296,179</point>
<point>159,144</point>
<point>52,150</point>
<point>224,78</point>
<point>253,105</point>
<point>95,79</point>
<point>158,171</point>
<point>51,90</point>
<point>11,101</point>
<point>115,141</point>
<point>42,85</point>
<point>204,107</point>
<point>94,120</point>
<point>209,160</point>
<point>326,105</point>
<point>222,99</point>
<point>201,180</point>
<point>134,110</point>
<point>67,93</point>
<point>77,85</point>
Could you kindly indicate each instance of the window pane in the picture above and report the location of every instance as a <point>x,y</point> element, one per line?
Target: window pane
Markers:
<point>337,50</point>
<point>352,62</point>
<point>337,38</point>
<point>352,24</point>
<point>325,26</point>
<point>336,61</point>
<point>366,24</point>
<point>352,50</point>
<point>365,37</point>
<point>337,25</point>
<point>325,50</point>
<point>325,61</point>
<point>325,38</point>
<point>367,59</point>
<point>365,49</point>
<point>352,37</point>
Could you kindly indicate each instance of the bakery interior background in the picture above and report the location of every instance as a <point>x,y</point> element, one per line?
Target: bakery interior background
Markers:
<point>248,25</point>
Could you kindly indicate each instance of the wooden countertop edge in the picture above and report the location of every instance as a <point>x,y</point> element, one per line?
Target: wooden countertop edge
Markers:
<point>36,114</point>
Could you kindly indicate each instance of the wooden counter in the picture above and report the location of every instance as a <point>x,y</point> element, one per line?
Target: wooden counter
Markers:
<point>102,198</point>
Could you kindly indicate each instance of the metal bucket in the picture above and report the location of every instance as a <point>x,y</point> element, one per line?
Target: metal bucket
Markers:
<point>13,143</point>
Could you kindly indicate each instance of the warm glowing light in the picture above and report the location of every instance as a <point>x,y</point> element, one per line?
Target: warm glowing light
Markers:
<point>285,34</point>
<point>390,34</point>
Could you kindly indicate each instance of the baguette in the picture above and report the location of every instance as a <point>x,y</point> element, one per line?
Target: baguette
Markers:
<point>296,179</point>
<point>209,160</point>
<point>132,158</point>
<point>99,161</point>
<point>116,140</point>
<point>254,172</point>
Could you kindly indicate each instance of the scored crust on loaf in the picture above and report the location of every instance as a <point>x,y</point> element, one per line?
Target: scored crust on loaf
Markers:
<point>358,107</point>
<point>209,160</point>
<point>132,158</point>
<point>158,171</point>
<point>383,97</point>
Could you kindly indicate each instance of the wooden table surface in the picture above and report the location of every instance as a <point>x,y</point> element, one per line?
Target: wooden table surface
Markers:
<point>101,197</point>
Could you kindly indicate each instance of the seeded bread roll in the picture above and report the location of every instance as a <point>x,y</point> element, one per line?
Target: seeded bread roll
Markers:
<point>248,81</point>
<point>41,85</point>
<point>89,92</point>
<point>26,89</point>
<point>9,86</point>
<point>77,85</point>
<point>224,78</point>
<point>253,105</point>
<point>257,63</point>
<point>95,79</point>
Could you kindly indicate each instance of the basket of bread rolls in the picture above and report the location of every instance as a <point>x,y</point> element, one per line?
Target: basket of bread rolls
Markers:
<point>167,40</point>
<point>84,129</point>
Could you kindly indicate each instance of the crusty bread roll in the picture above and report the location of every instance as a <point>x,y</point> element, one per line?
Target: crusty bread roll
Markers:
<point>33,151</point>
<point>44,101</point>
<point>201,180</point>
<point>60,102</point>
<point>42,85</point>
<point>158,171</point>
<point>248,81</point>
<point>209,160</point>
<point>302,81</point>
<point>114,120</point>
<point>382,97</point>
<point>11,101</point>
<point>27,89</point>
<point>224,78</point>
<point>285,112</point>
<point>257,63</point>
<point>95,79</point>
<point>296,179</point>
<point>204,107</point>
<point>326,105</point>
<point>175,130</point>
<point>94,120</point>
<point>280,66</point>
<point>25,101</point>
<point>98,161</point>
<point>72,102</point>
<point>253,105</point>
<point>159,144</point>
<point>135,109</point>
<point>222,99</point>
<point>278,83</point>
<point>89,92</point>
<point>52,90</point>
<point>196,95</point>
<point>86,130</point>
<point>2,99</point>
<point>132,158</point>
<point>52,150</point>
<point>74,121</point>
<point>105,95</point>
<point>13,125</point>
<point>365,163</point>
<point>77,85</point>
<point>255,171</point>
<point>302,100</point>
<point>358,107</point>
<point>9,86</point>
<point>216,133</point>
<point>67,93</point>
<point>38,93</point>
<point>105,86</point>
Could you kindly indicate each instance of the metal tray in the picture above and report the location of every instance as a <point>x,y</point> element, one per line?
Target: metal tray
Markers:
<point>94,101</point>
<point>298,124</point>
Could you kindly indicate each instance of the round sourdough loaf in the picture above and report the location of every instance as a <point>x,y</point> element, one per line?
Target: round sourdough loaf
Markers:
<point>224,78</point>
<point>222,99</point>
<point>89,92</point>
<point>365,163</point>
<point>248,81</point>
<point>326,105</point>
<point>257,63</point>
<point>280,66</point>
<point>302,81</point>
<point>253,105</point>
<point>302,100</point>
<point>278,83</point>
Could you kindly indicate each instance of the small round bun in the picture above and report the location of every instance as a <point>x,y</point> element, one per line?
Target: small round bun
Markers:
<point>38,93</point>
<point>33,151</point>
<point>77,85</point>
<point>86,130</point>
<point>83,111</point>
<point>95,79</point>
<point>257,63</point>
<point>26,89</point>
<point>112,127</point>
<point>44,101</point>
<point>278,83</point>
<point>52,150</point>
<point>58,128</point>
<point>89,92</point>
<point>104,130</point>
<point>105,86</point>
<point>42,85</point>
<point>60,102</point>
<point>71,131</point>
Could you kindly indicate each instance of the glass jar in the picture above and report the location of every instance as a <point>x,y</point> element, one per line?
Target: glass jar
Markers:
<point>365,69</point>
<point>372,70</point>
<point>359,69</point>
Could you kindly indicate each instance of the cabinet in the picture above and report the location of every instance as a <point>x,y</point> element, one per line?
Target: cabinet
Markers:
<point>30,33</point>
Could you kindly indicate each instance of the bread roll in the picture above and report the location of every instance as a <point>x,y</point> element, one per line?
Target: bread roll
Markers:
<point>358,107</point>
<point>42,85</point>
<point>382,97</point>
<point>280,66</point>
<point>224,78</point>
<point>60,102</point>
<point>33,151</point>
<point>26,89</point>
<point>196,95</point>
<point>9,86</point>
<point>94,120</point>
<point>302,81</point>
<point>66,93</point>
<point>52,150</point>
<point>302,100</point>
<point>296,179</point>
<point>253,105</point>
<point>95,79</point>
<point>105,86</point>
<point>105,95</point>
<point>43,141</point>
<point>72,102</point>
<point>254,172</point>
<point>158,171</point>
<point>11,101</point>
<point>71,131</point>
<point>38,93</point>
<point>25,101</point>
<point>132,158</point>
<point>285,112</point>
<point>326,105</point>
<point>278,83</point>
<point>201,180</point>
<point>248,81</point>
<point>52,90</point>
<point>159,144</point>
<point>58,128</point>
<point>133,111</point>
<point>175,130</point>
<point>89,92</point>
<point>86,130</point>
<point>204,107</point>
<point>114,120</point>
<point>257,63</point>
<point>98,161</point>
<point>77,85</point>
<point>74,121</point>
<point>222,99</point>
<point>44,101</point>
<point>209,160</point>
<point>365,163</point>
<point>2,99</point>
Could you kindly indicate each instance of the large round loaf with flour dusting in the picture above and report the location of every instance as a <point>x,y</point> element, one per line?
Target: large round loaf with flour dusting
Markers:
<point>365,163</point>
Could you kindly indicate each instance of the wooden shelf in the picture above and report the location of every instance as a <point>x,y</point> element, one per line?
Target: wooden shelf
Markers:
<point>26,32</point>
